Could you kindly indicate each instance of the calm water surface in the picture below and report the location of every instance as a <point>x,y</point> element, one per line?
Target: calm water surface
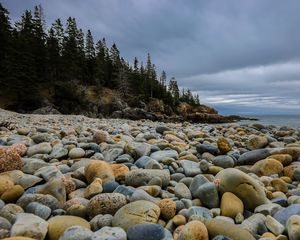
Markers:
<point>277,120</point>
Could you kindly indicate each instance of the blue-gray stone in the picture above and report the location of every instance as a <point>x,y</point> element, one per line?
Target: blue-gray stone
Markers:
<point>251,157</point>
<point>161,155</point>
<point>297,174</point>
<point>196,183</point>
<point>205,147</point>
<point>124,190</point>
<point>282,201</point>
<point>143,161</point>
<point>191,168</point>
<point>199,211</point>
<point>208,195</point>
<point>221,237</point>
<point>146,232</point>
<point>284,214</point>
<point>76,232</point>
<point>223,161</point>
<point>109,187</point>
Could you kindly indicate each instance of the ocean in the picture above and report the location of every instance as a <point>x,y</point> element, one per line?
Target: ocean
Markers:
<point>277,120</point>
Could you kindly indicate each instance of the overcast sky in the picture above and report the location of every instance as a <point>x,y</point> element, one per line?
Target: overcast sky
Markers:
<point>241,56</point>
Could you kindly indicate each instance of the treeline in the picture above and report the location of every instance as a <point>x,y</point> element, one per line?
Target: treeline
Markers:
<point>31,56</point>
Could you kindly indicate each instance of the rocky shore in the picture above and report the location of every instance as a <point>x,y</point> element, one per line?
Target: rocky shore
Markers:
<point>72,177</point>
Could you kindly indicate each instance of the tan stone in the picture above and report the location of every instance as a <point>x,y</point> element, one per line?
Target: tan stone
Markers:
<point>167,208</point>
<point>279,185</point>
<point>289,170</point>
<point>99,169</point>
<point>220,227</point>
<point>194,230</point>
<point>267,167</point>
<point>13,194</point>
<point>94,188</point>
<point>223,145</point>
<point>231,205</point>
<point>5,183</point>
<point>256,142</point>
<point>119,170</point>
<point>285,159</point>
<point>179,220</point>
<point>268,235</point>
<point>57,225</point>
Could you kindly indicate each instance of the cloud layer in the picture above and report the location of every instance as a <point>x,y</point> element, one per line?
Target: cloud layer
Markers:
<point>242,57</point>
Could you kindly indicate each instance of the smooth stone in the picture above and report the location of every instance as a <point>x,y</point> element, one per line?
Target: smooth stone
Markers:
<point>224,145</point>
<point>76,153</point>
<point>223,161</point>
<point>231,205</point>
<point>76,232</point>
<point>13,194</point>
<point>221,237</point>
<point>31,165</point>
<point>59,153</point>
<point>197,181</point>
<point>101,221</point>
<point>106,203</point>
<point>38,209</point>
<point>29,225</point>
<point>141,177</point>
<point>161,155</point>
<point>112,154</point>
<point>161,129</point>
<point>194,230</point>
<point>58,225</point>
<point>243,186</point>
<point>140,194</point>
<point>47,200</point>
<point>143,161</point>
<point>254,223</point>
<point>93,189</point>
<point>199,211</point>
<point>43,148</point>
<point>48,173</point>
<point>5,183</point>
<point>256,142</point>
<point>110,233</point>
<point>251,157</point>
<point>296,174</point>
<point>55,188</point>
<point>146,231</point>
<point>268,209</point>
<point>217,227</point>
<point>10,160</point>
<point>110,186</point>
<point>202,148</point>
<point>99,169</point>
<point>167,208</point>
<point>138,149</point>
<point>285,159</point>
<point>182,191</point>
<point>293,227</point>
<point>10,212</point>
<point>4,223</point>
<point>19,238</point>
<point>126,191</point>
<point>284,214</point>
<point>274,226</point>
<point>191,168</point>
<point>136,213</point>
<point>208,195</point>
<point>267,167</point>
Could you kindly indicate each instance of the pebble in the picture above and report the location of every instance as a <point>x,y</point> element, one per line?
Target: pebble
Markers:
<point>145,232</point>
<point>147,180</point>
<point>136,212</point>
<point>29,225</point>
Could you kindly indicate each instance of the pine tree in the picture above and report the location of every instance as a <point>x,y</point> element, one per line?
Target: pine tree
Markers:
<point>90,56</point>
<point>174,90</point>
<point>6,48</point>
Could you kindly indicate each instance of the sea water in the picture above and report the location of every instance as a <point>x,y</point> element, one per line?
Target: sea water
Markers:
<point>277,120</point>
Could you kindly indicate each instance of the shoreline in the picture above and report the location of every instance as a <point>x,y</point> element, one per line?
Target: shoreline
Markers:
<point>74,176</point>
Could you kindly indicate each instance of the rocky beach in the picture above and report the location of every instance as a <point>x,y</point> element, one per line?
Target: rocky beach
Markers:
<point>69,177</point>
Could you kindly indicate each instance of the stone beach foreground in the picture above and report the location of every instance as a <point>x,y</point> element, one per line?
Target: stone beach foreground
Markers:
<point>72,177</point>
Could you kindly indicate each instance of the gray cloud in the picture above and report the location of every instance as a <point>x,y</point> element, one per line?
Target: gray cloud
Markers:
<point>240,56</point>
